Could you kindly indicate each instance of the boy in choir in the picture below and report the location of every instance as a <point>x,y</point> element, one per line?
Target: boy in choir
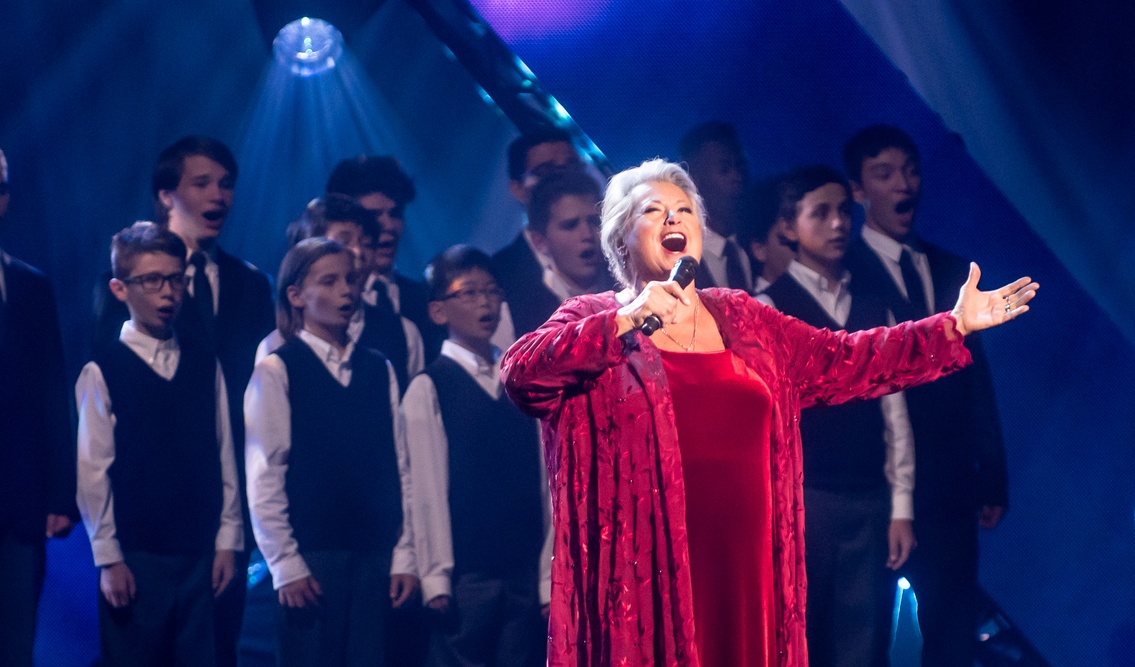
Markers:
<point>342,219</point>
<point>37,465</point>
<point>563,224</point>
<point>328,474</point>
<point>480,515</point>
<point>962,481</point>
<point>858,457</point>
<point>378,184</point>
<point>157,479</point>
<point>228,306</point>
<point>521,266</point>
<point>716,160</point>
<point>762,234</point>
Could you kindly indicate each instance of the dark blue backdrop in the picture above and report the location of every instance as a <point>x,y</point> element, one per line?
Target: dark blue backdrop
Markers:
<point>91,91</point>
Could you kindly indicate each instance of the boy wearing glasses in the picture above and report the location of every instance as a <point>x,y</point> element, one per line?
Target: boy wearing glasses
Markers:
<point>157,480</point>
<point>479,513</point>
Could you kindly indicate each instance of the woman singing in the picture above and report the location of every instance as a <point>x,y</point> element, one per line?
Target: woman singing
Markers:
<point>675,459</point>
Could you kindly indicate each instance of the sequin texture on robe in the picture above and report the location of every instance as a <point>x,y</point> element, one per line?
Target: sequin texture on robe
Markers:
<point>621,593</point>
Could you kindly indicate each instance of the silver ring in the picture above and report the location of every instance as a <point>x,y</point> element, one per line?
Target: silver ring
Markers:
<point>1008,308</point>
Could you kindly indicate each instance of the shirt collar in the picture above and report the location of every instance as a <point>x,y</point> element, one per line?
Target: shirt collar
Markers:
<point>327,352</point>
<point>472,362</point>
<point>147,345</point>
<point>712,242</point>
<point>803,274</point>
<point>888,247</point>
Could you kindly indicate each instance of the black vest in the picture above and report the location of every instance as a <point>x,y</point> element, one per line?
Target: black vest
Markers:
<point>166,474</point>
<point>382,331</point>
<point>495,501</point>
<point>844,449</point>
<point>343,486</point>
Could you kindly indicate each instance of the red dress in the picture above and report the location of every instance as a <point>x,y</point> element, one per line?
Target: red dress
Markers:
<point>622,595</point>
<point>722,411</point>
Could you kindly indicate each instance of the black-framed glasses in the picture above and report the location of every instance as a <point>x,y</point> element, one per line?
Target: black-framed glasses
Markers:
<point>151,283</point>
<point>471,295</point>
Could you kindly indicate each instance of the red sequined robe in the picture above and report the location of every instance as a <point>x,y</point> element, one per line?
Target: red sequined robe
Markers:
<point>621,593</point>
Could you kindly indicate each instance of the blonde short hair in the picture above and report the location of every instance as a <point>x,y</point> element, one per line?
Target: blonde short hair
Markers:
<point>619,209</point>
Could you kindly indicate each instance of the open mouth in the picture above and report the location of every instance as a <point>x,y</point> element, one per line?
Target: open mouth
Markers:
<point>165,311</point>
<point>347,309</point>
<point>215,215</point>
<point>674,242</point>
<point>589,255</point>
<point>906,206</point>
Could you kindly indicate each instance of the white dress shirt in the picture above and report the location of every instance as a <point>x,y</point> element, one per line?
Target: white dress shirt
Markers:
<point>713,258</point>
<point>415,360</point>
<point>898,435</point>
<point>96,448</point>
<point>268,440</point>
<point>761,285</point>
<point>890,251</point>
<point>429,451</point>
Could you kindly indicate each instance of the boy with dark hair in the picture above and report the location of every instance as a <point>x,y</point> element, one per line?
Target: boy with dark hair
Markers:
<point>716,160</point>
<point>228,304</point>
<point>330,216</point>
<point>858,457</point>
<point>520,266</point>
<point>762,234</point>
<point>378,184</point>
<point>157,486</point>
<point>37,485</point>
<point>961,479</point>
<point>480,520</point>
<point>563,225</point>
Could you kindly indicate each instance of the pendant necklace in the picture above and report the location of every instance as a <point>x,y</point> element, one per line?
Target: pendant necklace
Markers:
<point>693,337</point>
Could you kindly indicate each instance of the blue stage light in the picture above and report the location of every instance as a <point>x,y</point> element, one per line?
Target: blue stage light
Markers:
<point>308,46</point>
<point>903,584</point>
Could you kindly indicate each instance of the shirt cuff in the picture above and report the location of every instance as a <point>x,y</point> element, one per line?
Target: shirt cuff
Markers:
<point>902,505</point>
<point>106,552</point>
<point>436,585</point>
<point>230,537</point>
<point>287,570</point>
<point>403,561</point>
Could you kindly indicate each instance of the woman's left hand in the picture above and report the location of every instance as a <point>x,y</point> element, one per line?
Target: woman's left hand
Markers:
<point>977,310</point>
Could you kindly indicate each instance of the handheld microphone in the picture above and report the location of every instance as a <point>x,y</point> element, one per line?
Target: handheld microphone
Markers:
<point>683,273</point>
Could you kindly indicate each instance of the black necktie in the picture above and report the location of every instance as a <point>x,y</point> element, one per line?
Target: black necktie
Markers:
<point>382,299</point>
<point>734,269</point>
<point>203,295</point>
<point>915,292</point>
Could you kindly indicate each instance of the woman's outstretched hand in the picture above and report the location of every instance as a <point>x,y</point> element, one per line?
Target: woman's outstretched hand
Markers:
<point>977,310</point>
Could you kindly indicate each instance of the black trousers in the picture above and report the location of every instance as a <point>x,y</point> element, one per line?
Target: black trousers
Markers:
<point>228,612</point>
<point>851,593</point>
<point>170,621</point>
<point>492,622</point>
<point>348,626</point>
<point>22,563</point>
<point>943,574</point>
